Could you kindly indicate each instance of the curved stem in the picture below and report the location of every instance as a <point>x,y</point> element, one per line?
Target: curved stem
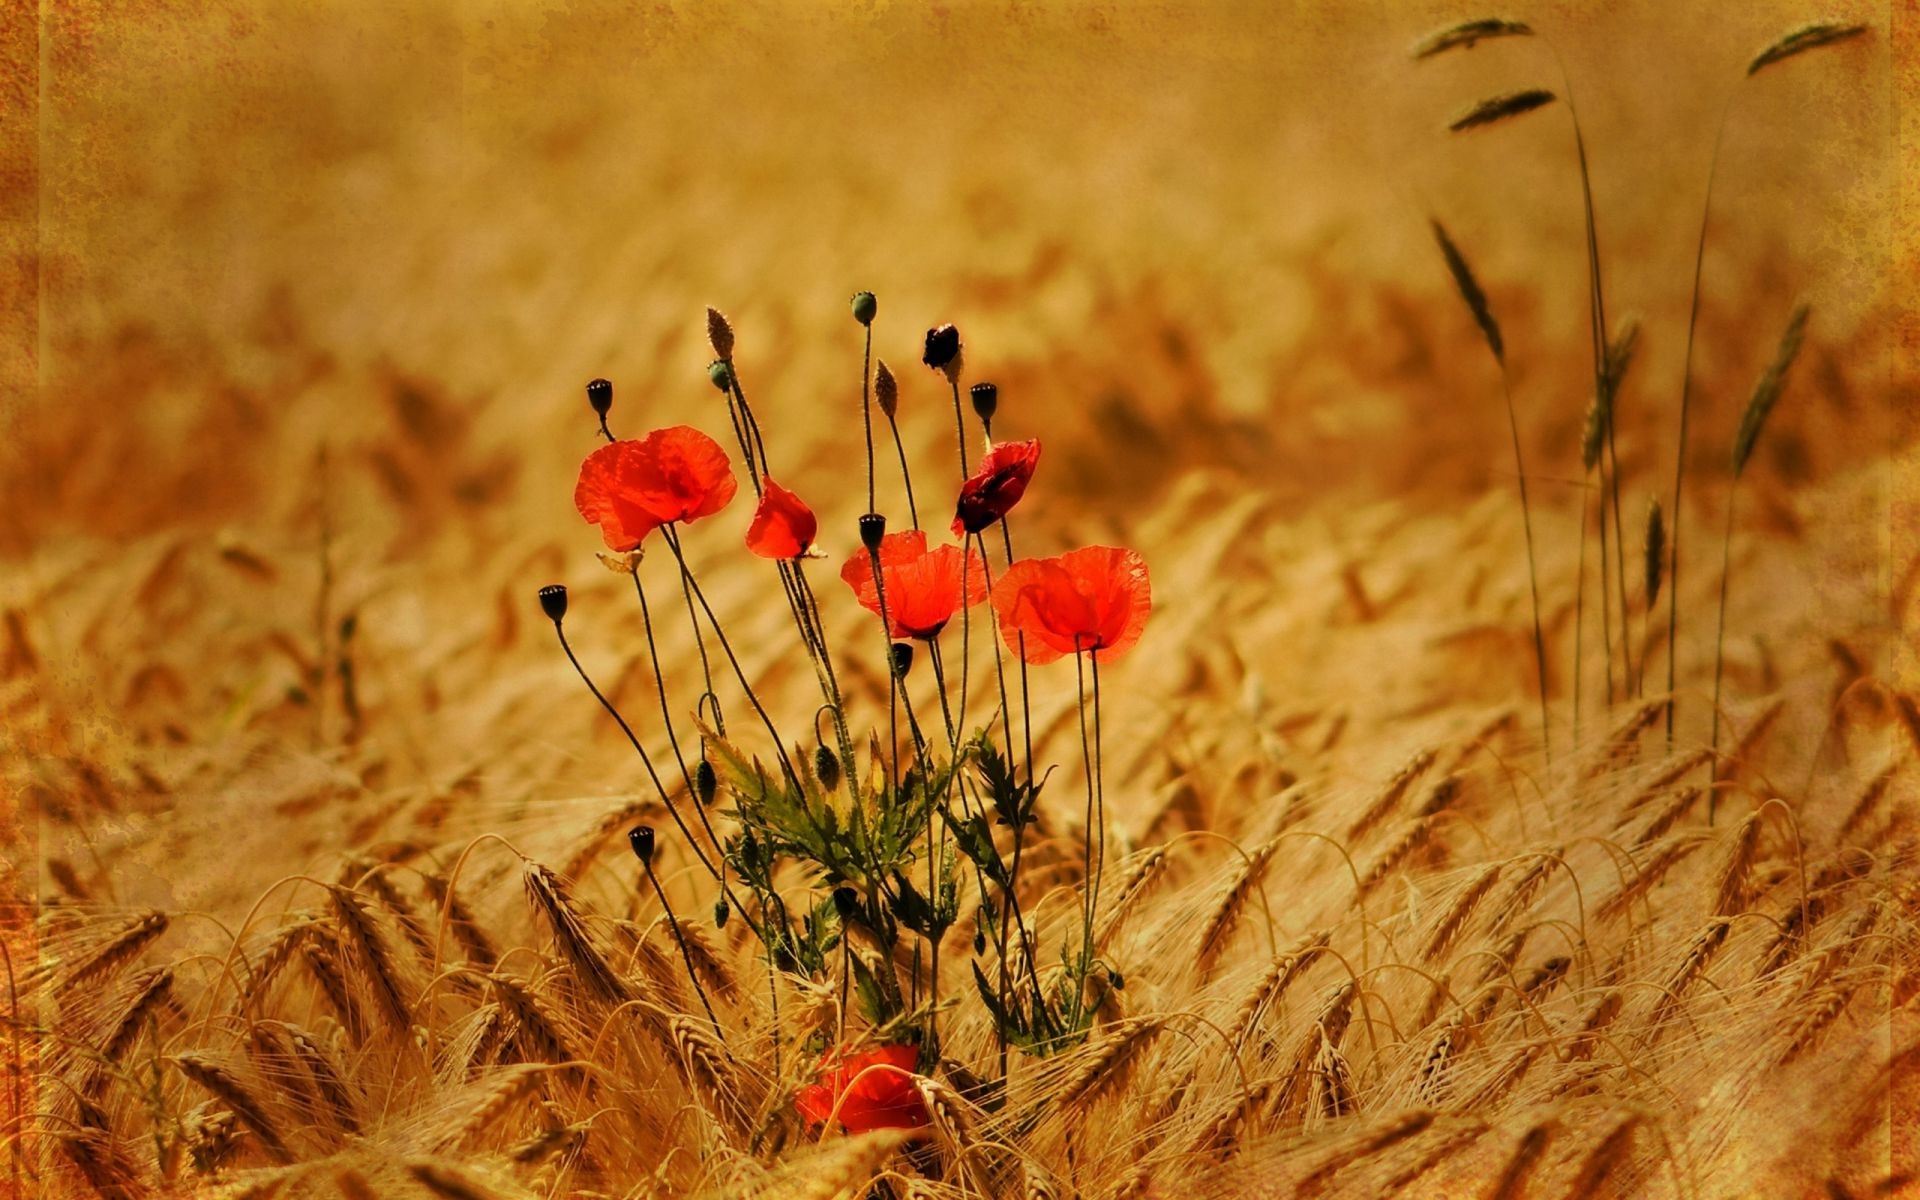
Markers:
<point>687,579</point>
<point>686,956</point>
<point>1686,404</point>
<point>866,411</point>
<point>1533,569</point>
<point>1719,649</point>
<point>637,749</point>
<point>906,475</point>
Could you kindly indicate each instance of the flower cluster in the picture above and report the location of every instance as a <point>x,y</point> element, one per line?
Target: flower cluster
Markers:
<point>883,838</point>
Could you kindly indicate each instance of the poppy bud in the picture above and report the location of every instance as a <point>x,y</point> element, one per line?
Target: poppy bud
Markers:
<point>600,396</point>
<point>864,307</point>
<point>720,374</point>
<point>846,902</point>
<point>885,390</point>
<point>979,941</point>
<point>705,783</point>
<point>902,659</point>
<point>640,837</point>
<point>1118,980</point>
<point>719,334</point>
<point>942,352</point>
<point>553,601</point>
<point>873,527</point>
<point>826,765</point>
<point>986,399</point>
<point>720,913</point>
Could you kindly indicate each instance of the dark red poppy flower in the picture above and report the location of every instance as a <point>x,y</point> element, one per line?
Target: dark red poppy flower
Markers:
<point>992,491</point>
<point>873,1089</point>
<point>925,588</point>
<point>783,526</point>
<point>943,347</point>
<point>1096,598</point>
<point>629,487</point>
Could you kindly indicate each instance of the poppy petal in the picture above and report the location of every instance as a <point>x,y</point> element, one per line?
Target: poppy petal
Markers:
<point>991,492</point>
<point>783,526</point>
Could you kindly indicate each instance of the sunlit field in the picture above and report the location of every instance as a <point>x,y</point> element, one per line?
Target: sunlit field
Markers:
<point>1315,729</point>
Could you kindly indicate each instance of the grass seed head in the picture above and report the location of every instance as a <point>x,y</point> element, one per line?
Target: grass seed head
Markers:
<point>1801,40</point>
<point>1468,34</point>
<point>1500,108</point>
<point>1766,393</point>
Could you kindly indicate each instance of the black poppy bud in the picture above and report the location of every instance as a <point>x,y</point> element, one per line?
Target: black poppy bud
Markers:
<point>886,393</point>
<point>720,913</point>
<point>553,601</point>
<point>902,659</point>
<point>986,399</point>
<point>640,837</point>
<point>873,527</point>
<point>1118,980</point>
<point>720,374</point>
<point>846,902</point>
<point>705,783</point>
<point>943,348</point>
<point>979,941</point>
<point>719,334</point>
<point>826,766</point>
<point>600,395</point>
<point>864,307</point>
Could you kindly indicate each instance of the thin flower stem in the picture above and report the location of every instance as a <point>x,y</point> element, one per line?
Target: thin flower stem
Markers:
<point>699,639</point>
<point>906,475</point>
<point>1099,781</point>
<point>746,446</point>
<point>1579,616</point>
<point>1533,569</point>
<point>959,426</point>
<point>686,576</point>
<point>1606,596</point>
<point>993,635</point>
<point>1020,639</point>
<point>893,677</point>
<point>746,416</point>
<point>659,680</point>
<point>866,411</point>
<point>1686,405</point>
<point>686,956</point>
<point>812,605</point>
<point>638,749</point>
<point>1087,838</point>
<point>933,859</point>
<point>1720,648</point>
<point>940,685</point>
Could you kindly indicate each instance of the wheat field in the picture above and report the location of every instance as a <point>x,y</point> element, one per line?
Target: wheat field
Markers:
<point>317,878</point>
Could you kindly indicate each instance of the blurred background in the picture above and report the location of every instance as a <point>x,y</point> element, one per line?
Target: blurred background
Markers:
<point>310,291</point>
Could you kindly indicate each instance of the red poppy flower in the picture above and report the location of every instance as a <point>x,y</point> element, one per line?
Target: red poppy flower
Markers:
<point>783,526</point>
<point>870,1090</point>
<point>924,587</point>
<point>1096,598</point>
<point>631,486</point>
<point>996,487</point>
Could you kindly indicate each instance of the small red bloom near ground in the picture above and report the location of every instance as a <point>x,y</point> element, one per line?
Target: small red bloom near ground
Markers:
<point>872,1090</point>
<point>783,526</point>
<point>630,487</point>
<point>925,588</point>
<point>1096,598</point>
<point>991,492</point>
